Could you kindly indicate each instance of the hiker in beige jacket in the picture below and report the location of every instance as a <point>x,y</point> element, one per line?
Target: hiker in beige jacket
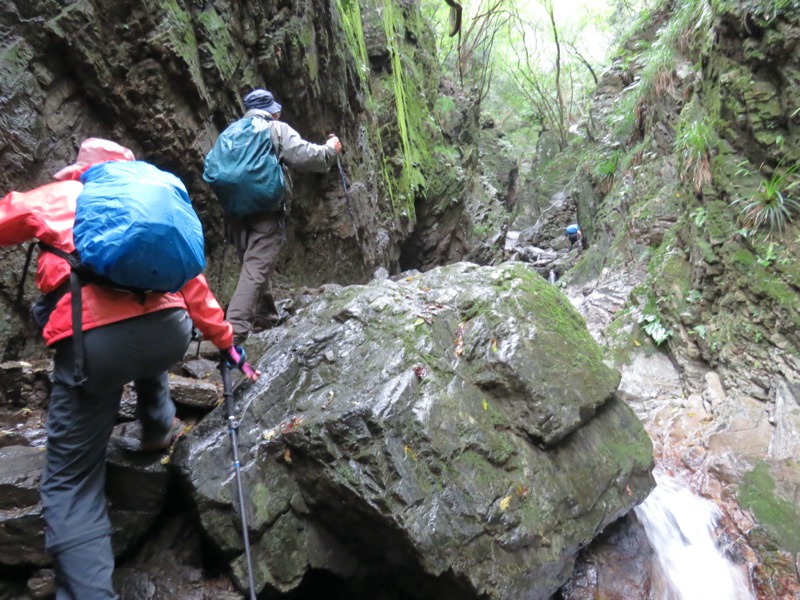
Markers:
<point>259,238</point>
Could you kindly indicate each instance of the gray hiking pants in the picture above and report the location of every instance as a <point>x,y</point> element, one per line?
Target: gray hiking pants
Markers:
<point>258,242</point>
<point>79,424</point>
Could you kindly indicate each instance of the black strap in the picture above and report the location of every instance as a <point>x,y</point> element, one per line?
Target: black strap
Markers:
<point>75,285</point>
<point>21,286</point>
<point>71,257</point>
<point>76,282</point>
<point>79,276</point>
<point>89,275</point>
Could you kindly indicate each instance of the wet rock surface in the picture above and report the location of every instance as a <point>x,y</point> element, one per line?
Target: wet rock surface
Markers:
<point>402,431</point>
<point>21,534</point>
<point>141,492</point>
<point>422,425</point>
<point>702,436</point>
<point>166,79</point>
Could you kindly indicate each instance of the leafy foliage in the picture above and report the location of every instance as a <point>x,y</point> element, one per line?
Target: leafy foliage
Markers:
<point>687,24</point>
<point>760,10</point>
<point>699,216</point>
<point>532,65</point>
<point>653,326</point>
<point>768,257</point>
<point>694,296</point>
<point>695,140</point>
<point>770,206</point>
<point>605,170</point>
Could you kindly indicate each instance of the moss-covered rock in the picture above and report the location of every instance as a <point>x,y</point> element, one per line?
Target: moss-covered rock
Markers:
<point>775,509</point>
<point>426,424</point>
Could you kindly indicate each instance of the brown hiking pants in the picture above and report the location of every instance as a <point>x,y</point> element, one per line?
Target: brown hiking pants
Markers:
<point>258,241</point>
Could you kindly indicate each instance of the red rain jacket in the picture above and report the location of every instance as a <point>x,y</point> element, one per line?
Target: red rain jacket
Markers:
<point>47,213</point>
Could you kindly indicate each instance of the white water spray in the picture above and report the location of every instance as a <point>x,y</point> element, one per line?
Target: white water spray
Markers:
<point>680,527</point>
<point>551,277</point>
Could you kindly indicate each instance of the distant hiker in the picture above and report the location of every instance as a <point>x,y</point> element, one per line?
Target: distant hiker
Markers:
<point>126,336</point>
<point>246,170</point>
<point>574,234</point>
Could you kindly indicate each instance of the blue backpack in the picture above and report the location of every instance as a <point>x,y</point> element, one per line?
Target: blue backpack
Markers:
<point>572,229</point>
<point>135,230</point>
<point>243,169</point>
<point>135,227</point>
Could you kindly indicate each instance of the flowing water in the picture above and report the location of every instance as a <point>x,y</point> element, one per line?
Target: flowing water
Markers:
<point>680,527</point>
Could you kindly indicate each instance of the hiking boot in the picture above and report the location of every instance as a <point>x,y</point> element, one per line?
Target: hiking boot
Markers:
<point>163,442</point>
<point>265,322</point>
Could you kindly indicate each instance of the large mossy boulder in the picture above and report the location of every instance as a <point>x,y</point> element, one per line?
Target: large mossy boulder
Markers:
<point>456,432</point>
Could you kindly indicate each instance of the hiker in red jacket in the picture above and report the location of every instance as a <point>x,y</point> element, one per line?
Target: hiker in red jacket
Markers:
<point>128,337</point>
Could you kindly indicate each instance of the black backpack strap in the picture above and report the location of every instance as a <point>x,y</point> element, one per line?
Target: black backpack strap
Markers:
<point>21,286</point>
<point>76,282</point>
<point>41,309</point>
<point>75,285</point>
<point>70,257</point>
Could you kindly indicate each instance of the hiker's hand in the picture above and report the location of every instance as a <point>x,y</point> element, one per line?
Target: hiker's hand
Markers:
<point>235,356</point>
<point>334,143</point>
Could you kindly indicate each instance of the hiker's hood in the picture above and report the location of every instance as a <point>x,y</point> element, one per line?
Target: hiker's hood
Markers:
<point>92,152</point>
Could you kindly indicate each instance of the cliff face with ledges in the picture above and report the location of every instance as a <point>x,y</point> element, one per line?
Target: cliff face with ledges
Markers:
<point>165,78</point>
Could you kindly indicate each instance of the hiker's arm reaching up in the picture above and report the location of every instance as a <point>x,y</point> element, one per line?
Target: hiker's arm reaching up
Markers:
<point>206,313</point>
<point>45,213</point>
<point>300,154</point>
<point>16,223</point>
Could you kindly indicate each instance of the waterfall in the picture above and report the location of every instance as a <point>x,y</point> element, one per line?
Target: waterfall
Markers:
<point>551,277</point>
<point>680,527</point>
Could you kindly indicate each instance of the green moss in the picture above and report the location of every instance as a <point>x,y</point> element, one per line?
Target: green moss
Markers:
<point>175,32</point>
<point>267,502</point>
<point>720,224</point>
<point>407,114</point>
<point>403,131</point>
<point>499,441</point>
<point>475,467</point>
<point>307,36</point>
<point>743,258</point>
<point>706,251</point>
<point>346,474</point>
<point>350,15</point>
<point>779,518</point>
<point>218,42</point>
<point>445,108</point>
<point>564,329</point>
<point>671,277</point>
<point>634,450</point>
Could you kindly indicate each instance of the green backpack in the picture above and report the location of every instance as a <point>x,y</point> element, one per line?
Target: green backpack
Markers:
<point>243,169</point>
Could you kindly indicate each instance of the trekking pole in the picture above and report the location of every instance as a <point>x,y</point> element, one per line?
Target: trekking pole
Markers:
<point>347,199</point>
<point>233,427</point>
<point>350,210</point>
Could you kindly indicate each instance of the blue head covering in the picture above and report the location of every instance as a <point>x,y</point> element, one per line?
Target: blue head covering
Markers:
<point>263,100</point>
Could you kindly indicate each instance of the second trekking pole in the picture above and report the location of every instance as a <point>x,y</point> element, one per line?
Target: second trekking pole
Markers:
<point>350,210</point>
<point>233,427</point>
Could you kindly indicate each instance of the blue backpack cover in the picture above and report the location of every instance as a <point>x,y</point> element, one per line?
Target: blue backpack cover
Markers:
<point>135,226</point>
<point>243,169</point>
<point>572,228</point>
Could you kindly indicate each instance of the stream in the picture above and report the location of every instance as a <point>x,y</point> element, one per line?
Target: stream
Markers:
<point>680,525</point>
<point>681,529</point>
